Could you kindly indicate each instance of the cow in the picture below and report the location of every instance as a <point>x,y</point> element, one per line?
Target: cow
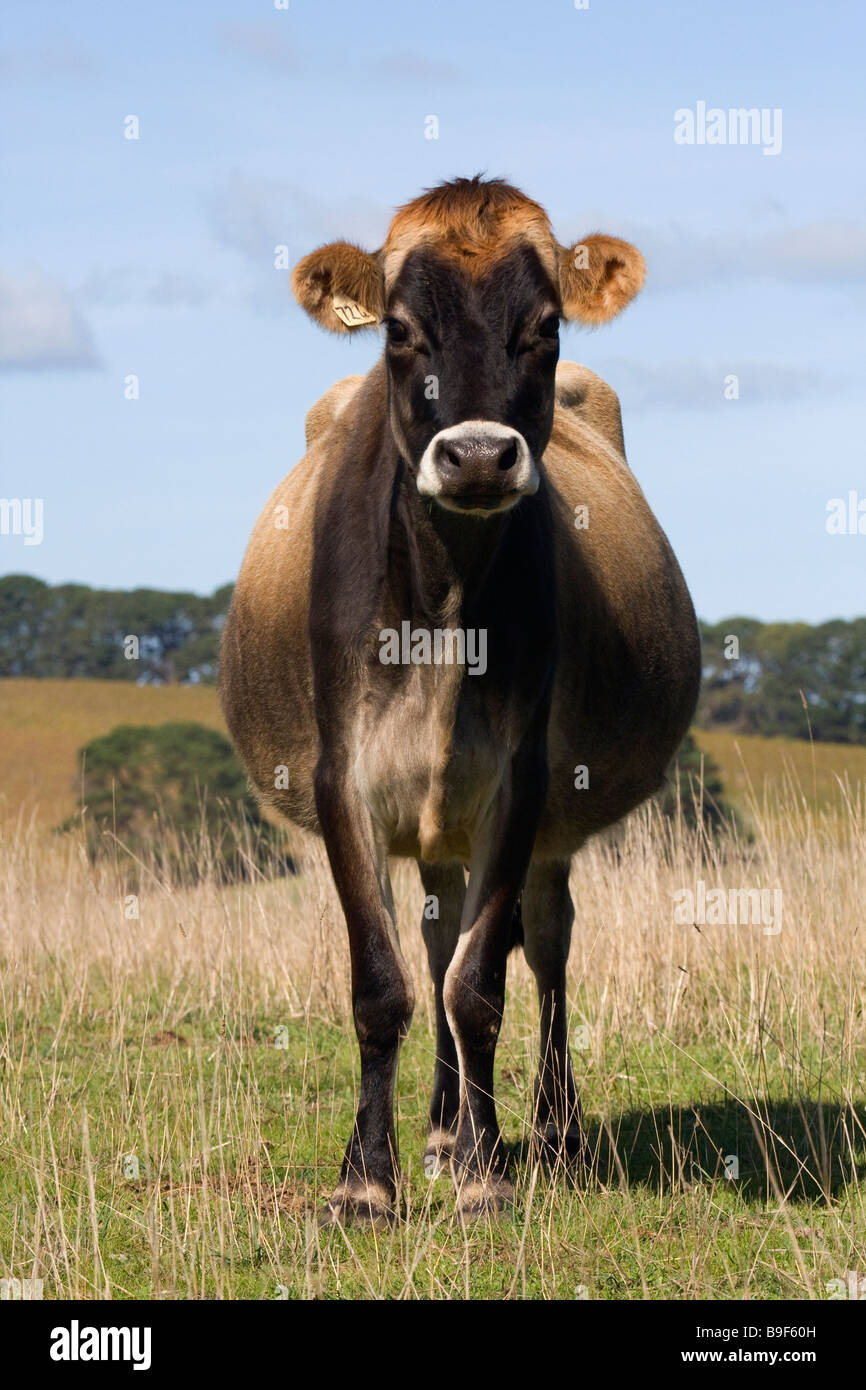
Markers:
<point>463,637</point>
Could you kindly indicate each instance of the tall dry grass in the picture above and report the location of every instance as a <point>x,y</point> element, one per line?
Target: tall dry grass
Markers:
<point>162,1037</point>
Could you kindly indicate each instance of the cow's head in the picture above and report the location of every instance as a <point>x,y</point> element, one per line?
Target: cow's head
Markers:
<point>470,287</point>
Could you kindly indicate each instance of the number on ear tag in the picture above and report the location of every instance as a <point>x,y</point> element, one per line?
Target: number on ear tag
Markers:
<point>350,313</point>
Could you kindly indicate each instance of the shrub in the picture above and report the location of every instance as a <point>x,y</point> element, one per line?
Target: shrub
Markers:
<point>694,785</point>
<point>176,799</point>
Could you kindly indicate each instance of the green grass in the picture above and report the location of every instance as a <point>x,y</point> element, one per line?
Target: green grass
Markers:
<point>153,1038</point>
<point>237,1143</point>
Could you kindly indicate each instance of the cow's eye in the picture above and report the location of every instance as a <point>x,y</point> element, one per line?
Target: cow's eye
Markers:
<point>397,332</point>
<point>549,327</point>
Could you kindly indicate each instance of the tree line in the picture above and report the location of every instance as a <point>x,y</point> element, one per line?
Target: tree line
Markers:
<point>759,678</point>
<point>785,679</point>
<point>146,635</point>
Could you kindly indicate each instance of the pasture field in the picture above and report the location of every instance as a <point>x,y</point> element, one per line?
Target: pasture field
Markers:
<point>43,723</point>
<point>776,770</point>
<point>176,1088</point>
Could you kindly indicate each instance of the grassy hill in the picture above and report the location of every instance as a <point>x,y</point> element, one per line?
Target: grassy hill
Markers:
<point>43,723</point>
<point>767,767</point>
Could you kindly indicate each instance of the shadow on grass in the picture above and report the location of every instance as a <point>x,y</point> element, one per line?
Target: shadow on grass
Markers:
<point>766,1149</point>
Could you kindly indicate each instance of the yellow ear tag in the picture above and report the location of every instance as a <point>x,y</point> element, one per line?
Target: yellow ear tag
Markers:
<point>350,313</point>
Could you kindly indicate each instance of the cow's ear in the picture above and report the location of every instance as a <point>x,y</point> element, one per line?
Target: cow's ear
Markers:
<point>341,287</point>
<point>598,277</point>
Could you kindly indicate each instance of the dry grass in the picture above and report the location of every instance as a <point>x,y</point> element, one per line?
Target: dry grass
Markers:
<point>176,1089</point>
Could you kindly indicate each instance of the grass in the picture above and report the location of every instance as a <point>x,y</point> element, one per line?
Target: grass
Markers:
<point>43,724</point>
<point>176,1089</point>
<point>777,768</point>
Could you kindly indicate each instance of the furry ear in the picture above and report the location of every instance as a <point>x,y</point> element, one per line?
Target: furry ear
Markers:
<point>598,277</point>
<point>341,287</point>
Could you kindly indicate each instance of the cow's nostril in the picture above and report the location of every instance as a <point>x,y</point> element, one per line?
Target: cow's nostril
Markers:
<point>452,457</point>
<point>509,458</point>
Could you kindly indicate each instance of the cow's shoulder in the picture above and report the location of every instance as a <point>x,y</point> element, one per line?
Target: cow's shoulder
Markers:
<point>322,415</point>
<point>279,555</point>
<point>583,396</point>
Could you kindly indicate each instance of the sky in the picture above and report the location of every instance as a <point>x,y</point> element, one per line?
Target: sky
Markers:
<point>262,127</point>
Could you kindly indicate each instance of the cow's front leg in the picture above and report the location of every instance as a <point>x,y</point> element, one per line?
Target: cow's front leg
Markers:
<point>475,987</point>
<point>382,998</point>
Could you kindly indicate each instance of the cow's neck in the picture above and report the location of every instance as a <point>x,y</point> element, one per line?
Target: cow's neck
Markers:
<point>450,557</point>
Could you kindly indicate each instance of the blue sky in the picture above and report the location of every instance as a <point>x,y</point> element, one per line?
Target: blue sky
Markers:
<point>262,127</point>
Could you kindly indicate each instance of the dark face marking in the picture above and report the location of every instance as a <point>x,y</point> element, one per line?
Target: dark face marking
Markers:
<point>461,348</point>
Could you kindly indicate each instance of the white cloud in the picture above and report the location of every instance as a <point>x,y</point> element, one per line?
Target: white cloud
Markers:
<point>822,250</point>
<point>111,286</point>
<point>690,386</point>
<point>253,216</point>
<point>820,253</point>
<point>409,66</point>
<point>40,326</point>
<point>267,44</point>
<point>264,42</point>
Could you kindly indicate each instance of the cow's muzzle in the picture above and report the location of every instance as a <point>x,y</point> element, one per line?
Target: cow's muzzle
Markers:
<point>477,466</point>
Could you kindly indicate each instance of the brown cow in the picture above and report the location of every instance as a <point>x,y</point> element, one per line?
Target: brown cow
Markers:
<point>457,600</point>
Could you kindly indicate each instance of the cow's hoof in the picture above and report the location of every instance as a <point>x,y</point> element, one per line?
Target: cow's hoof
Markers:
<point>367,1204</point>
<point>437,1155</point>
<point>477,1198</point>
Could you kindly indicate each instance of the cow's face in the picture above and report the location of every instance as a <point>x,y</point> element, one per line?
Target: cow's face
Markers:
<point>471,364</point>
<point>470,288</point>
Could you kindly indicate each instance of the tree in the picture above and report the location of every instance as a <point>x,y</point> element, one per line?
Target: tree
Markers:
<point>174,796</point>
<point>758,684</point>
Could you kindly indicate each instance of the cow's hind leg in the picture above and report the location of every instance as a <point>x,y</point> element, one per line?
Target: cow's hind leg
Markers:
<point>548,914</point>
<point>382,998</point>
<point>445,889</point>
